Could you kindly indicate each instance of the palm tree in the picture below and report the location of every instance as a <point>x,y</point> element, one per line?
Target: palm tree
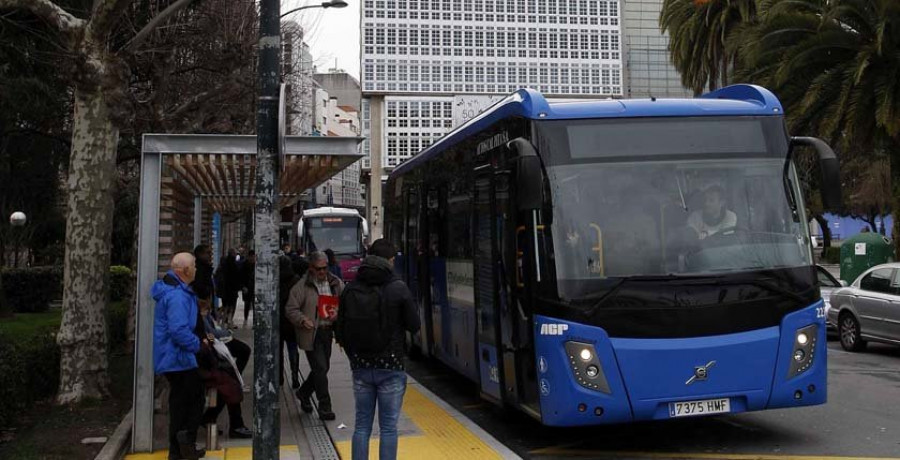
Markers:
<point>699,32</point>
<point>835,65</point>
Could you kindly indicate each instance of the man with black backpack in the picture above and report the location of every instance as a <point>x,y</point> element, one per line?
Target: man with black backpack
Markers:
<point>376,311</point>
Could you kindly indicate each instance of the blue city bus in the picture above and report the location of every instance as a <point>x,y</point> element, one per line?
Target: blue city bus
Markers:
<point>610,261</point>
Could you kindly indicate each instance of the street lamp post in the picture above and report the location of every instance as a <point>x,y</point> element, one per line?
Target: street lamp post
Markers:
<point>266,414</point>
<point>332,4</point>
<point>17,219</point>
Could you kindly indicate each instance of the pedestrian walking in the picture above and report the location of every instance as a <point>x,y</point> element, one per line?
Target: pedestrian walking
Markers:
<point>174,346</point>
<point>376,311</point>
<point>311,309</point>
<point>333,266</point>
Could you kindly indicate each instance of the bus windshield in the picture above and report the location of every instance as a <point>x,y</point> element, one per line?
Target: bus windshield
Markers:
<point>712,214</point>
<point>341,234</point>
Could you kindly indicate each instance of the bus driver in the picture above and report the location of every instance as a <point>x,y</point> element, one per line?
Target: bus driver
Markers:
<point>713,218</point>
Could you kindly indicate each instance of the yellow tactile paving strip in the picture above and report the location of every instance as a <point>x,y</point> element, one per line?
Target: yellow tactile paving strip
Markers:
<point>231,453</point>
<point>443,436</point>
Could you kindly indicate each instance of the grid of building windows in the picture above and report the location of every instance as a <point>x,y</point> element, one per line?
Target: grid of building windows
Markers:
<point>411,124</point>
<point>650,70</point>
<point>366,122</point>
<point>569,47</point>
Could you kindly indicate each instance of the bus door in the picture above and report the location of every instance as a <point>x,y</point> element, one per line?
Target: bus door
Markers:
<point>412,250</point>
<point>486,270</point>
<point>433,271</point>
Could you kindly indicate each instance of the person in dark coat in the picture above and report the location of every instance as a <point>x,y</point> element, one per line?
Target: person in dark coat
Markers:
<point>287,279</point>
<point>228,284</point>
<point>333,266</point>
<point>248,274</point>
<point>222,377</point>
<point>203,284</point>
<point>379,379</point>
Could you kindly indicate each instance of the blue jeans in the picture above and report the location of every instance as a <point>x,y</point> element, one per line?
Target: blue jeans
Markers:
<point>386,388</point>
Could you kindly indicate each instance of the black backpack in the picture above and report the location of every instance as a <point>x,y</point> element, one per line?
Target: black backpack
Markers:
<point>364,324</point>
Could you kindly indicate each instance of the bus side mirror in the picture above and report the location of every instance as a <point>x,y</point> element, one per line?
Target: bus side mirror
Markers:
<point>529,176</point>
<point>831,171</point>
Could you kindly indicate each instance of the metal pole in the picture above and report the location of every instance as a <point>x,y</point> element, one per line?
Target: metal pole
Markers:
<point>266,416</point>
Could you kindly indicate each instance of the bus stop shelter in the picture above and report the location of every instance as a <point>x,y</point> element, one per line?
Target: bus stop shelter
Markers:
<point>186,180</point>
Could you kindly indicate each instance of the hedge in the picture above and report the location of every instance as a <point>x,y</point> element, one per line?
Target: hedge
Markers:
<point>29,363</point>
<point>29,371</point>
<point>32,289</point>
<point>119,283</point>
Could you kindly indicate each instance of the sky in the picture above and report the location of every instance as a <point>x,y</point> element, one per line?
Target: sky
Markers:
<point>331,33</point>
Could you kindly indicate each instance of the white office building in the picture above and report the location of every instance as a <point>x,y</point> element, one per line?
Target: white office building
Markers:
<point>422,60</point>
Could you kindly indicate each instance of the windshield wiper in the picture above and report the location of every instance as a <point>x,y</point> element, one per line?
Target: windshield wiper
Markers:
<point>754,282</point>
<point>695,280</point>
<point>650,278</point>
<point>681,193</point>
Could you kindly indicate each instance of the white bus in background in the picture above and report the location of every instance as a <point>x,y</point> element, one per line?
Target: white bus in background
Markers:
<point>342,230</point>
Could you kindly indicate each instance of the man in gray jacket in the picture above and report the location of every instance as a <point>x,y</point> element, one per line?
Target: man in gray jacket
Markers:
<point>314,333</point>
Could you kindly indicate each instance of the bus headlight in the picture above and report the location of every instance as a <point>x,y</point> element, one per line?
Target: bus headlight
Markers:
<point>804,350</point>
<point>586,366</point>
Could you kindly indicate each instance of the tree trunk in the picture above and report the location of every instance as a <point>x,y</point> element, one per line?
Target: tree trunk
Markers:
<point>826,232</point>
<point>92,175</point>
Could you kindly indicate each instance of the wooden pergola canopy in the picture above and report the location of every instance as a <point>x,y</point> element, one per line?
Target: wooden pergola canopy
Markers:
<point>221,169</point>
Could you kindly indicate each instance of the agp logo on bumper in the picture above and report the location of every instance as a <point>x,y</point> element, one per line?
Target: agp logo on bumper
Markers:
<point>554,329</point>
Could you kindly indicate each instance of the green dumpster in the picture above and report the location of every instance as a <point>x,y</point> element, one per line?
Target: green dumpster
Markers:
<point>862,252</point>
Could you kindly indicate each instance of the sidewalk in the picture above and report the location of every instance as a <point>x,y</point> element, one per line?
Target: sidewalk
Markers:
<point>428,427</point>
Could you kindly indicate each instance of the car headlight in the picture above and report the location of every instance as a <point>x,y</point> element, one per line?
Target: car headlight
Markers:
<point>804,350</point>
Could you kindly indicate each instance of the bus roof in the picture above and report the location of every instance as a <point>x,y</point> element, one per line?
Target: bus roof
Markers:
<point>329,211</point>
<point>735,100</point>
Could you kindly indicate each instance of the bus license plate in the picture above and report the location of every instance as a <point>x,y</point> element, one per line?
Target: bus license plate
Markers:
<point>702,407</point>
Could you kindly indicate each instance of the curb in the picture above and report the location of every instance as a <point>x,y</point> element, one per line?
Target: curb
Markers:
<point>114,449</point>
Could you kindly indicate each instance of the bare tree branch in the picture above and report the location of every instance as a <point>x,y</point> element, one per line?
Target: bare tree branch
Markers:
<point>154,23</point>
<point>199,98</point>
<point>104,15</point>
<point>49,11</point>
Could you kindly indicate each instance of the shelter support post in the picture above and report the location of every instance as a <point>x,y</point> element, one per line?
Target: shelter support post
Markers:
<point>148,254</point>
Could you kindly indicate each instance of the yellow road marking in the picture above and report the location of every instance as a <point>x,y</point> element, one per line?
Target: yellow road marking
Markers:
<point>443,436</point>
<point>568,452</point>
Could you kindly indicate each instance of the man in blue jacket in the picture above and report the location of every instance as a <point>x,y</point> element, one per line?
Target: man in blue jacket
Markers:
<point>174,346</point>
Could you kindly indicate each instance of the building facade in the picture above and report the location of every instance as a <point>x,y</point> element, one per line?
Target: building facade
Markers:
<point>333,119</point>
<point>648,69</point>
<point>298,71</point>
<point>429,65</point>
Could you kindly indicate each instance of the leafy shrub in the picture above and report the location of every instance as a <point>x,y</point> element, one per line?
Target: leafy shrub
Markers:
<point>29,370</point>
<point>117,323</point>
<point>32,289</point>
<point>120,284</point>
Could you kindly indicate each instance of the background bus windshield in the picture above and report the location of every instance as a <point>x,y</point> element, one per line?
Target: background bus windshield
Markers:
<point>340,234</point>
<point>656,216</point>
